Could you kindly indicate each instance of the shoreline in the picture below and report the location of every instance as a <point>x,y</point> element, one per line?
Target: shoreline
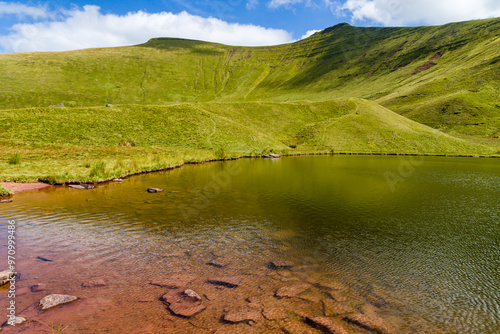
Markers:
<point>18,187</point>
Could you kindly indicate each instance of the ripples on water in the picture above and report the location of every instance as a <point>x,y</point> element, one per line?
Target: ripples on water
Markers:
<point>430,248</point>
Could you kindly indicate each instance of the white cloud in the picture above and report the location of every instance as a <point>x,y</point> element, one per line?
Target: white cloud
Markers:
<point>309,33</point>
<point>88,27</point>
<point>251,4</point>
<point>21,10</point>
<point>404,12</point>
<point>284,3</point>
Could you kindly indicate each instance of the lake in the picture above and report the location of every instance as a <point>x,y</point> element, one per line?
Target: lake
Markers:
<point>405,244</point>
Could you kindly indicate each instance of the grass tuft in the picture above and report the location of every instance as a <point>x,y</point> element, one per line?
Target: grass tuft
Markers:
<point>15,159</point>
<point>5,192</point>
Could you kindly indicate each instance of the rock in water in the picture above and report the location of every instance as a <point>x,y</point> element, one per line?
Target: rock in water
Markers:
<point>291,291</point>
<point>6,201</point>
<point>155,190</point>
<point>117,180</point>
<point>279,264</point>
<point>183,303</point>
<point>38,287</point>
<point>55,300</point>
<point>82,186</point>
<point>326,325</point>
<point>5,276</point>
<point>94,283</point>
<point>370,323</point>
<point>242,314</point>
<point>173,282</point>
<point>229,282</point>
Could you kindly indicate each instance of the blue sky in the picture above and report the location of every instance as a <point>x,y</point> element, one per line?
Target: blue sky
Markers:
<point>66,25</point>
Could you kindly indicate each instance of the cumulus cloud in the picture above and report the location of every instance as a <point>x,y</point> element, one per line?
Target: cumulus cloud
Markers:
<point>309,33</point>
<point>405,12</point>
<point>87,27</point>
<point>21,10</point>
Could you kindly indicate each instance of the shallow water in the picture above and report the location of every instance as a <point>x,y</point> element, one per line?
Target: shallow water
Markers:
<point>412,241</point>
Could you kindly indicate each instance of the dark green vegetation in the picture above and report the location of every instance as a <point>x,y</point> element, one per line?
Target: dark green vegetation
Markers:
<point>178,100</point>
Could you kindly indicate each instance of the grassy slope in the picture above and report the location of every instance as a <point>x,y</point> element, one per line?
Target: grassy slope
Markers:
<point>457,94</point>
<point>91,144</point>
<point>179,100</point>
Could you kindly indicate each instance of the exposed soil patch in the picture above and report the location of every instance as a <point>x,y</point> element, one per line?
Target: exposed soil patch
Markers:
<point>20,187</point>
<point>428,64</point>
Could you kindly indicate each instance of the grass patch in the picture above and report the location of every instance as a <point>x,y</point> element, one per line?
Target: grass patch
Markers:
<point>14,159</point>
<point>5,192</point>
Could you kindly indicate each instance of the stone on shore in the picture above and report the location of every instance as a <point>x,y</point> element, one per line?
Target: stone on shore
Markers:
<point>242,314</point>
<point>94,283</point>
<point>155,190</point>
<point>117,180</point>
<point>38,287</point>
<point>5,276</point>
<point>279,264</point>
<point>182,303</point>
<point>326,325</point>
<point>54,300</point>
<point>229,282</point>
<point>173,282</point>
<point>291,291</point>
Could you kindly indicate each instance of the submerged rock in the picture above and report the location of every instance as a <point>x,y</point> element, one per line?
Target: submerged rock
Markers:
<point>183,303</point>
<point>326,325</point>
<point>291,291</point>
<point>370,323</point>
<point>38,287</point>
<point>94,283</point>
<point>274,313</point>
<point>5,276</point>
<point>219,262</point>
<point>155,190</point>
<point>55,300</point>
<point>279,264</point>
<point>229,282</point>
<point>173,282</point>
<point>242,314</point>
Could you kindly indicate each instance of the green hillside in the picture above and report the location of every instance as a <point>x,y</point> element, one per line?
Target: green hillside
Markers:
<point>92,144</point>
<point>344,89</point>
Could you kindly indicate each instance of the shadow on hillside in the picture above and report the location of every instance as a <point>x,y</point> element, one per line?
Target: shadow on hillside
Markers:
<point>195,46</point>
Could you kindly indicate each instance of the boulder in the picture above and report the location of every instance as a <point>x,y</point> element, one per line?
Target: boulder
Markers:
<point>228,282</point>
<point>173,282</point>
<point>279,264</point>
<point>184,303</point>
<point>155,190</point>
<point>109,105</point>
<point>55,300</point>
<point>38,287</point>
<point>291,291</point>
<point>5,276</point>
<point>242,314</point>
<point>326,325</point>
